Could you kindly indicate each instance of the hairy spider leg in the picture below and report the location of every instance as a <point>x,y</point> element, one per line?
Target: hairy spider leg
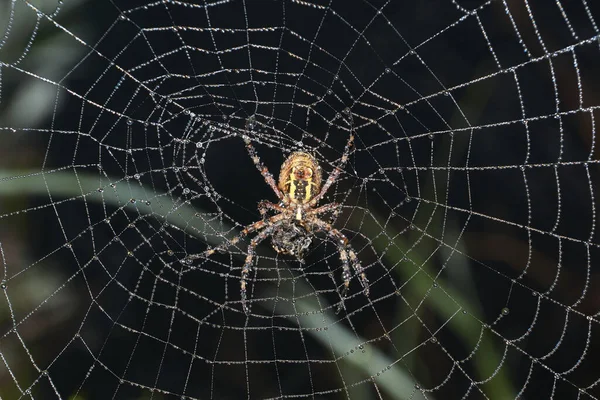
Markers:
<point>338,169</point>
<point>264,206</point>
<point>258,225</point>
<point>347,256</point>
<point>346,276</point>
<point>262,168</point>
<point>262,235</point>
<point>325,208</point>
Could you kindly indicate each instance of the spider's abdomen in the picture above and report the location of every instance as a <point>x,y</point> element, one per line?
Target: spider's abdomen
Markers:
<point>301,191</point>
<point>300,177</point>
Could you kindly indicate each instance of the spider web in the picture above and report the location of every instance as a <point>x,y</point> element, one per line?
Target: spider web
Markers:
<point>470,198</point>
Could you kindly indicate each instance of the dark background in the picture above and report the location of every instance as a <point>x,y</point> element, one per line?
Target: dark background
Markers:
<point>470,198</point>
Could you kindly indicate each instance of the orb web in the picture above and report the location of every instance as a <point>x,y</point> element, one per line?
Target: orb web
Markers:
<point>469,197</point>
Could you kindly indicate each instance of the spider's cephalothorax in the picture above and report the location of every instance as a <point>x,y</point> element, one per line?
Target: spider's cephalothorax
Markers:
<point>291,238</point>
<point>296,220</point>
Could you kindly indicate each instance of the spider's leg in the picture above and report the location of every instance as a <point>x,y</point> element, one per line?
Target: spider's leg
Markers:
<point>258,225</point>
<point>264,206</point>
<point>342,241</point>
<point>325,208</point>
<point>249,229</point>
<point>248,263</point>
<point>346,276</point>
<point>360,271</point>
<point>262,168</point>
<point>347,256</point>
<point>338,169</point>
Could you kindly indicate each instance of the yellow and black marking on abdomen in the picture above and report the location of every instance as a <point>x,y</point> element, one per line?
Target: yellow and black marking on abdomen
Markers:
<point>301,190</point>
<point>300,177</point>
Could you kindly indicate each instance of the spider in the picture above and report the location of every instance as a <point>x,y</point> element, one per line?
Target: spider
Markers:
<point>296,221</point>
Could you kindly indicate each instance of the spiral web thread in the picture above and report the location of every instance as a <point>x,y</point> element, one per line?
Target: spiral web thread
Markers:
<point>469,198</point>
